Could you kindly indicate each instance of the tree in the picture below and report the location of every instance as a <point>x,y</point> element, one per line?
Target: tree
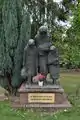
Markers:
<point>42,11</point>
<point>15,32</point>
<point>72,39</point>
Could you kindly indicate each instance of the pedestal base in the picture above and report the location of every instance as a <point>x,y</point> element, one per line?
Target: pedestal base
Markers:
<point>49,97</point>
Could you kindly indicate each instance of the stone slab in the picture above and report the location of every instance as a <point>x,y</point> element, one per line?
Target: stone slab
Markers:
<point>42,107</point>
<point>59,101</point>
<point>36,88</point>
<point>66,105</point>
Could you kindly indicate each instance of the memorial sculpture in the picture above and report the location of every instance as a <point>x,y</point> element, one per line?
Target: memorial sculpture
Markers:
<point>40,57</point>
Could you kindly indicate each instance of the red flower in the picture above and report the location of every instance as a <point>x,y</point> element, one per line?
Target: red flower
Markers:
<point>39,77</point>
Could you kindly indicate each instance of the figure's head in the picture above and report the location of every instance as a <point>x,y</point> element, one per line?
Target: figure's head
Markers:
<point>31,42</point>
<point>43,30</point>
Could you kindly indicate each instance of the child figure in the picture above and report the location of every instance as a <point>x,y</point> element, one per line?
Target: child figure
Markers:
<point>53,63</point>
<point>29,61</point>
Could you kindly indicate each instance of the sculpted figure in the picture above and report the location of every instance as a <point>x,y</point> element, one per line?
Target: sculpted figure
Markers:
<point>53,63</point>
<point>41,57</point>
<point>43,44</point>
<point>29,61</point>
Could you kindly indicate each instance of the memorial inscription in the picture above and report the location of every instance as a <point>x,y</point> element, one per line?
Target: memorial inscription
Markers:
<point>41,97</point>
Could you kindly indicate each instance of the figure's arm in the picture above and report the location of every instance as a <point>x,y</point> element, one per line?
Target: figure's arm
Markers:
<point>45,47</point>
<point>24,56</point>
<point>35,38</point>
<point>56,57</point>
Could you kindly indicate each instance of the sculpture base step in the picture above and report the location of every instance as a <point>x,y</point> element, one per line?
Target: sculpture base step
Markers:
<point>47,98</point>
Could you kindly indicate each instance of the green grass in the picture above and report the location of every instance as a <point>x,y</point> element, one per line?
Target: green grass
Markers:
<point>71,84</point>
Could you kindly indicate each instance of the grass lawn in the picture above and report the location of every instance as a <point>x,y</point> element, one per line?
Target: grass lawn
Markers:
<point>71,84</point>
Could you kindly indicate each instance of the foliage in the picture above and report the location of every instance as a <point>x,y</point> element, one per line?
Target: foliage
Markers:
<point>15,32</point>
<point>41,12</point>
<point>73,39</point>
<point>18,58</point>
<point>68,39</point>
<point>15,16</point>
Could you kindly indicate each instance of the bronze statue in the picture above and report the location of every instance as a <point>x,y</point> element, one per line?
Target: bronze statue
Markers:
<point>40,56</point>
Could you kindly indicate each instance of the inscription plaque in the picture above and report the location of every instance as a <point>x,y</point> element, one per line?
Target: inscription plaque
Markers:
<point>41,97</point>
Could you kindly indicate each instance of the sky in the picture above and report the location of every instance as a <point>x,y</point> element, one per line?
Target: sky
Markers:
<point>57,1</point>
<point>66,23</point>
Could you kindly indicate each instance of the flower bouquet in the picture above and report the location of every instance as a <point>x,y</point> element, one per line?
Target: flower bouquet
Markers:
<point>40,79</point>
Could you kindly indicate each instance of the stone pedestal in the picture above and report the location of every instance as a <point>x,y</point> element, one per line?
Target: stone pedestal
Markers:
<point>48,97</point>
